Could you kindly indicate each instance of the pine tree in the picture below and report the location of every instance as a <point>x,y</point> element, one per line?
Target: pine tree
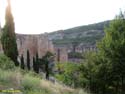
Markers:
<point>28,60</point>
<point>22,62</point>
<point>8,38</point>
<point>112,49</point>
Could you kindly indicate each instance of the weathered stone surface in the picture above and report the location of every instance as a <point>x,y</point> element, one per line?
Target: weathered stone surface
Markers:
<point>61,54</point>
<point>35,44</point>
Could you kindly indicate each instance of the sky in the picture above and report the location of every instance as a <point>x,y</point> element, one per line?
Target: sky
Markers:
<point>40,16</point>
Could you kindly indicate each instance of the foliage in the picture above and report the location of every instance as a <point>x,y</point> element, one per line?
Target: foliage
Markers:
<point>29,82</point>
<point>85,40</point>
<point>81,34</point>
<point>28,60</point>
<point>112,49</point>
<point>6,63</point>
<point>22,62</point>
<point>103,72</point>
<point>5,77</point>
<point>69,74</point>
<point>75,55</point>
<point>36,63</point>
<point>8,38</point>
<point>47,58</point>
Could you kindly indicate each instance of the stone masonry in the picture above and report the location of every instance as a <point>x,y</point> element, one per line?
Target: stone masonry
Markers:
<point>35,44</point>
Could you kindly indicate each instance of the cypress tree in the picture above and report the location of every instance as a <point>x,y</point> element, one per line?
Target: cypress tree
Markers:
<point>28,60</point>
<point>37,63</point>
<point>8,38</point>
<point>22,62</point>
<point>34,64</point>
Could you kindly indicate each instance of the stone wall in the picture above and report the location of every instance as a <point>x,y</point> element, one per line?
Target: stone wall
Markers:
<point>61,54</point>
<point>35,44</point>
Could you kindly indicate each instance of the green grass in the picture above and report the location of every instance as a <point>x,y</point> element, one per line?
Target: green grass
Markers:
<point>29,83</point>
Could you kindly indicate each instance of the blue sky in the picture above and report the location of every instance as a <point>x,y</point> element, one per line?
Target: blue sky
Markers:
<point>39,16</point>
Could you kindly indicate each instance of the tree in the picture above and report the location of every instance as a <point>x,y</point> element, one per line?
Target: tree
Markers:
<point>28,60</point>
<point>22,62</point>
<point>46,59</point>
<point>69,74</point>
<point>37,63</point>
<point>112,49</point>
<point>34,66</point>
<point>103,72</point>
<point>8,38</point>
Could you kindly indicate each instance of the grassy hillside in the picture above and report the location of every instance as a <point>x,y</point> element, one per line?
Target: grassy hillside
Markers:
<point>82,34</point>
<point>12,78</point>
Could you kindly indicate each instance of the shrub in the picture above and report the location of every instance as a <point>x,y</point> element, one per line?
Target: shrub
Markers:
<point>69,74</point>
<point>30,83</point>
<point>5,77</point>
<point>40,91</point>
<point>6,63</point>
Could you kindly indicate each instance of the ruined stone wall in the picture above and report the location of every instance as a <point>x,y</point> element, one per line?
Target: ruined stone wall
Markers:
<point>61,54</point>
<point>35,44</point>
<point>44,45</point>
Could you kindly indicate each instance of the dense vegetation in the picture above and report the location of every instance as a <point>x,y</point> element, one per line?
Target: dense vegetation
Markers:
<point>28,82</point>
<point>88,34</point>
<point>8,38</point>
<point>75,55</point>
<point>102,72</point>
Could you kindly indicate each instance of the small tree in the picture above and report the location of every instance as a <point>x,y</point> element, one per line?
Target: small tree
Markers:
<point>22,62</point>
<point>28,60</point>
<point>46,59</point>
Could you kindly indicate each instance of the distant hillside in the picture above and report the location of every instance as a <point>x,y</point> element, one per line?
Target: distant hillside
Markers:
<point>87,34</point>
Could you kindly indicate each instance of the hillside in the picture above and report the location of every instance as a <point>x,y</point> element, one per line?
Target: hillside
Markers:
<point>14,79</point>
<point>82,34</point>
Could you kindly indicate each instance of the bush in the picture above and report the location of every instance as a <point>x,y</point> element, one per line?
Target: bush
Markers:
<point>40,91</point>
<point>69,74</point>
<point>30,83</point>
<point>6,63</point>
<point>5,77</point>
<point>75,55</point>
